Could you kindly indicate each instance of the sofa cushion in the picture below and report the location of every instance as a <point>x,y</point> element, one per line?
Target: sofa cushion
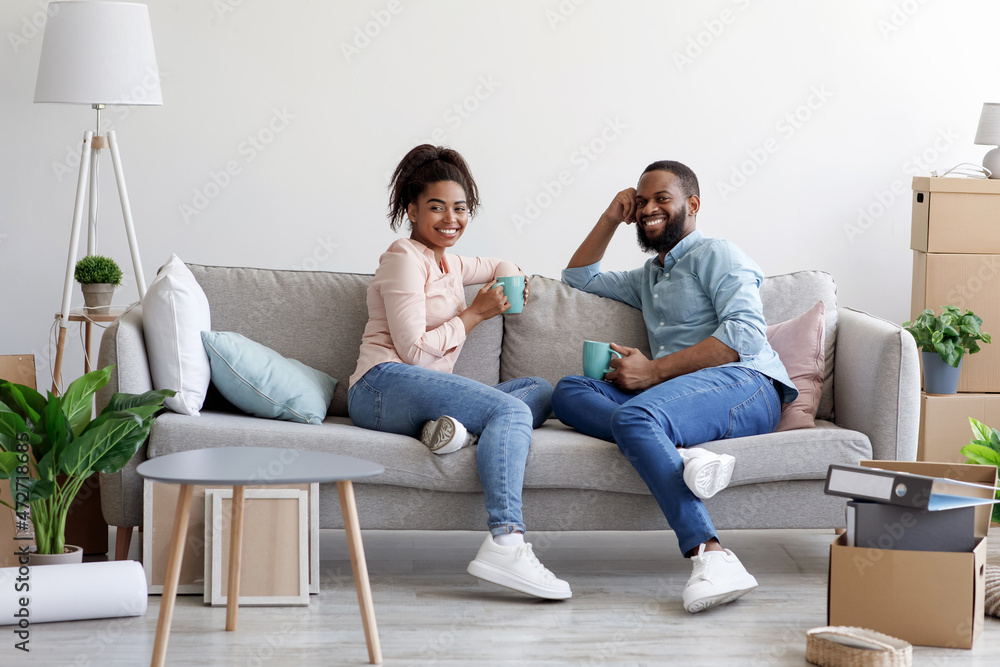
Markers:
<point>799,344</point>
<point>329,312</point>
<point>789,295</point>
<point>546,339</point>
<point>560,458</point>
<point>175,312</point>
<point>261,382</point>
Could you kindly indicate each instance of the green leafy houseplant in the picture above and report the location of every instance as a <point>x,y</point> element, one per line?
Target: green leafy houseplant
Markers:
<point>97,269</point>
<point>949,334</point>
<point>43,438</point>
<point>984,449</point>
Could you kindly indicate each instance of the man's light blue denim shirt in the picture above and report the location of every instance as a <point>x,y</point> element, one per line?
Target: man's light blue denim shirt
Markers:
<point>705,287</point>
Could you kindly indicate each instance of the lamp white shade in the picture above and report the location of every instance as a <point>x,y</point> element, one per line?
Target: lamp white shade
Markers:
<point>988,133</point>
<point>98,53</point>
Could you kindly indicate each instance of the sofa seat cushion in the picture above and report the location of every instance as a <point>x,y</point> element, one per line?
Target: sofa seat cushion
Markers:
<point>560,457</point>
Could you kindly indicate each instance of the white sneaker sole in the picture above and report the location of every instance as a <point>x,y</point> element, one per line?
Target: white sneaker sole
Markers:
<point>445,435</point>
<point>501,577</point>
<point>706,478</point>
<point>742,586</point>
<point>702,604</point>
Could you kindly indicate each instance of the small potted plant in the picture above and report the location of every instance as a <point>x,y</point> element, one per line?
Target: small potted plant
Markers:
<point>49,446</point>
<point>943,340</point>
<point>984,449</point>
<point>98,276</point>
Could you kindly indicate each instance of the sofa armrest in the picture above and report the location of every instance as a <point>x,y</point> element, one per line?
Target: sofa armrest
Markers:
<point>876,383</point>
<point>124,346</point>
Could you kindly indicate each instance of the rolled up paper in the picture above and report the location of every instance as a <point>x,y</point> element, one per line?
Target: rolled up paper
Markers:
<point>72,592</point>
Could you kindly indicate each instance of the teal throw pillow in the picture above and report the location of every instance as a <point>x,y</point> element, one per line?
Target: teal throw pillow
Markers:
<point>261,382</point>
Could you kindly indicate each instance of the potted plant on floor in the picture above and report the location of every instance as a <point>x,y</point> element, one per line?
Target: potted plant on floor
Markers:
<point>98,276</point>
<point>984,449</point>
<point>49,446</point>
<point>943,340</point>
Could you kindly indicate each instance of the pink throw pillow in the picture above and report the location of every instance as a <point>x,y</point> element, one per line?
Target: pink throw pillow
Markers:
<point>799,344</point>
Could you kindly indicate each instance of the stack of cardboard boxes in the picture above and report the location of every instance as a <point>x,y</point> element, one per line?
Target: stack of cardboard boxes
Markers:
<point>928,598</point>
<point>936,597</point>
<point>956,261</point>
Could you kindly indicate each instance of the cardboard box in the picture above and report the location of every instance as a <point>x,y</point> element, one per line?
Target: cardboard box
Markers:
<point>927,598</point>
<point>944,423</point>
<point>956,215</point>
<point>18,368</point>
<point>970,282</point>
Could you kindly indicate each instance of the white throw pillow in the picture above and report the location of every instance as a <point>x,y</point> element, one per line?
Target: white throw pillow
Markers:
<point>174,313</point>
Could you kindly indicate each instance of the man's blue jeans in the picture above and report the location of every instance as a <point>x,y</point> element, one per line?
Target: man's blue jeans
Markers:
<point>648,426</point>
<point>399,398</point>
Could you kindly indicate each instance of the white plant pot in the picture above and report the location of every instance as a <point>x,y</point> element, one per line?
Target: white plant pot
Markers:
<point>71,554</point>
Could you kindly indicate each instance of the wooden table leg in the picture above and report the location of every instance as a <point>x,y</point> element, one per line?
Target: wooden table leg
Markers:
<point>177,539</point>
<point>350,511</point>
<point>235,559</point>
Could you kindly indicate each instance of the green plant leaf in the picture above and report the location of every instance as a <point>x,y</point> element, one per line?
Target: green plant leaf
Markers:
<point>40,489</point>
<point>119,454</point>
<point>25,401</point>
<point>8,464</point>
<point>981,455</point>
<point>980,431</point>
<point>76,401</point>
<point>11,426</point>
<point>58,433</point>
<point>129,401</point>
<point>90,447</point>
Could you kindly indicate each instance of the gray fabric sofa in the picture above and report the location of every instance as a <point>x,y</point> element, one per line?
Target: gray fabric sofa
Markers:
<point>869,408</point>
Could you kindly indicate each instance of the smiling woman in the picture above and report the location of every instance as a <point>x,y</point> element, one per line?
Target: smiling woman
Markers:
<point>417,325</point>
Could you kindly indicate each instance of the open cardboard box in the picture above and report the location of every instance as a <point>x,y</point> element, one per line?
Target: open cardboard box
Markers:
<point>927,598</point>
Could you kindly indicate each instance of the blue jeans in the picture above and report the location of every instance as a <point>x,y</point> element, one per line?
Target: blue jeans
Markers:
<point>400,398</point>
<point>648,426</point>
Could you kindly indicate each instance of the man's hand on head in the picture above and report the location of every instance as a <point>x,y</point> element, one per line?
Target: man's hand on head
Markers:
<point>633,372</point>
<point>622,207</point>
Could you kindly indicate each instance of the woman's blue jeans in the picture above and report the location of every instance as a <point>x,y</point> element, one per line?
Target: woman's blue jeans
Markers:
<point>710,404</point>
<point>400,398</point>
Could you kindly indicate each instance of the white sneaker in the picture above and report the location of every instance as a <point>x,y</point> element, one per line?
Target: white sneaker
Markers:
<point>718,578</point>
<point>517,567</point>
<point>446,435</point>
<point>706,473</point>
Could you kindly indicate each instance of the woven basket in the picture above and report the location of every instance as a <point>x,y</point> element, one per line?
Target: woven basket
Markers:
<point>886,651</point>
<point>993,590</point>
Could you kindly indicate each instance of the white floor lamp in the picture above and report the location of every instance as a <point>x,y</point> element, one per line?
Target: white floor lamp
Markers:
<point>97,53</point>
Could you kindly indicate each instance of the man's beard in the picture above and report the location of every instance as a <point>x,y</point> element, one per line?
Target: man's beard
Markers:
<point>673,231</point>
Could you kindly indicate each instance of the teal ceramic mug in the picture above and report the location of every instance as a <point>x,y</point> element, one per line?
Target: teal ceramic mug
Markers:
<point>597,359</point>
<point>513,289</point>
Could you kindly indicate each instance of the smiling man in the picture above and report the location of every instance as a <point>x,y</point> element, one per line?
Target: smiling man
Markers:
<point>712,376</point>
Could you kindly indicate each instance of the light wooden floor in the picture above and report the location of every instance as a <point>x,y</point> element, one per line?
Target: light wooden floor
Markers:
<point>626,610</point>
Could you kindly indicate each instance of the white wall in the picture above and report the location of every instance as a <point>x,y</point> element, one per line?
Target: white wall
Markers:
<point>895,88</point>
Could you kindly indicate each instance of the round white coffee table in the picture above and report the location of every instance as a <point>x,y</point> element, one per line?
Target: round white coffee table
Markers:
<point>241,466</point>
